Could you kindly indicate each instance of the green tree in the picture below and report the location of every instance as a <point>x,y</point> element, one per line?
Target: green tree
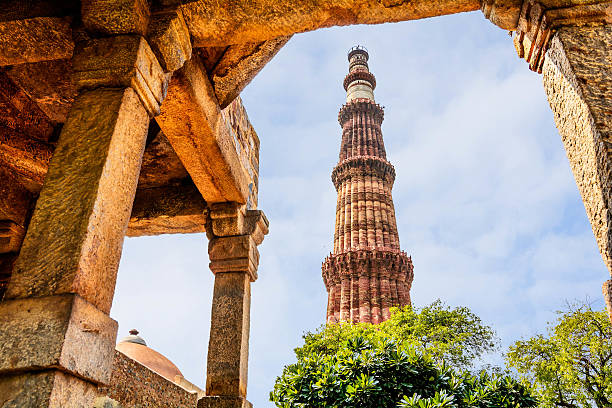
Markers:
<point>403,362</point>
<point>455,336</point>
<point>571,366</point>
<point>383,373</point>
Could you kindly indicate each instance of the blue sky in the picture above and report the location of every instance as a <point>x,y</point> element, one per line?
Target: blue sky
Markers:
<point>485,200</point>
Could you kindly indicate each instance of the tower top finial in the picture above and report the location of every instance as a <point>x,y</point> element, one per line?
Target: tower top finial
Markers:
<point>358,49</point>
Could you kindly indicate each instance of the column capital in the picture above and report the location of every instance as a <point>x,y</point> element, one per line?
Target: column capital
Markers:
<point>121,61</point>
<point>232,219</point>
<point>234,234</point>
<point>234,254</point>
<point>537,24</point>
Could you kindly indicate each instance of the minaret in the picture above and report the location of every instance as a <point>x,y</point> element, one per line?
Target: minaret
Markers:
<point>367,273</point>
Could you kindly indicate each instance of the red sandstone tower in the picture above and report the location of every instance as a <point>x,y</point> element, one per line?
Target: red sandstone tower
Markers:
<point>367,273</point>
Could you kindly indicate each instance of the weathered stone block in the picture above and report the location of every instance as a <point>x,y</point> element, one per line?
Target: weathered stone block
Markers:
<point>193,123</point>
<point>170,40</point>
<point>116,16</point>
<point>35,39</point>
<point>223,402</point>
<point>133,385</point>
<point>167,210</point>
<point>577,78</point>
<point>74,240</point>
<point>227,219</point>
<point>56,331</point>
<point>105,402</point>
<point>228,347</point>
<point>11,236</point>
<point>234,254</point>
<point>239,65</point>
<point>49,389</point>
<point>121,61</point>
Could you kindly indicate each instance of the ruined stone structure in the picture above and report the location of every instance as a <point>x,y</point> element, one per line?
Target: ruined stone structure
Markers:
<point>367,273</point>
<point>122,117</point>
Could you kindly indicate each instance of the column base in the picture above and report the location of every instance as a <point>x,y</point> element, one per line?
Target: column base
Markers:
<point>223,402</point>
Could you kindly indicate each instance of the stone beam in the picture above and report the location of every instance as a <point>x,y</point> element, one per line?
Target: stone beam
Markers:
<point>35,39</point>
<point>226,22</point>
<point>167,210</point>
<point>578,82</point>
<point>193,122</point>
<point>26,158</point>
<point>238,66</point>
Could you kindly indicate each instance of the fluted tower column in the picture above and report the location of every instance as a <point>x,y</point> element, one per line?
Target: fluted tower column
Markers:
<point>366,273</point>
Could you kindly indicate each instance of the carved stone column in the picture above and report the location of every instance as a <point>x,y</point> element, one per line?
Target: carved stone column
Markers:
<point>578,82</point>
<point>56,338</point>
<point>572,47</point>
<point>234,236</point>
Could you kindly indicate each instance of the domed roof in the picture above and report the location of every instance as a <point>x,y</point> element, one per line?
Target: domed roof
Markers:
<point>136,348</point>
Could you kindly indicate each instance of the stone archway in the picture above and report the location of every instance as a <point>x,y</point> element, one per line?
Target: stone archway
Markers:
<point>81,83</point>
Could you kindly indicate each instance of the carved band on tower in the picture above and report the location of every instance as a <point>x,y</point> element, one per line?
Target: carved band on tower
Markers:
<point>367,273</point>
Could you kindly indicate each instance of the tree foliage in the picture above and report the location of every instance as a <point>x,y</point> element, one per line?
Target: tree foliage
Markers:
<point>403,362</point>
<point>453,335</point>
<point>384,373</point>
<point>571,365</point>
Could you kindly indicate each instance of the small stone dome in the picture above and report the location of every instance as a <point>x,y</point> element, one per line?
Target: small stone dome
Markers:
<point>136,348</point>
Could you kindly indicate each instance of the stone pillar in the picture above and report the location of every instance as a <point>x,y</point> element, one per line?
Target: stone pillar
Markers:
<point>56,338</point>
<point>577,75</point>
<point>234,235</point>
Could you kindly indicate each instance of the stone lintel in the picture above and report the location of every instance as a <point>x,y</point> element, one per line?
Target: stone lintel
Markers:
<point>239,65</point>
<point>225,22</point>
<point>11,236</point>
<point>537,24</point>
<point>194,124</point>
<point>121,61</point>
<point>116,16</point>
<point>224,402</point>
<point>26,158</point>
<point>170,39</point>
<point>49,388</point>
<point>74,240</point>
<point>167,210</point>
<point>35,39</point>
<point>62,331</point>
<point>228,348</point>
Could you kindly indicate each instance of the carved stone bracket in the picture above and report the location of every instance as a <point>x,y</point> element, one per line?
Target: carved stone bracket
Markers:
<point>234,234</point>
<point>537,24</point>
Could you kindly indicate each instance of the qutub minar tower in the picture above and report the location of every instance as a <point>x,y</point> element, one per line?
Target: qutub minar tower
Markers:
<point>367,273</point>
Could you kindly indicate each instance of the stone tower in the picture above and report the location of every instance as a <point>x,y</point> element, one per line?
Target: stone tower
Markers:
<point>367,273</point>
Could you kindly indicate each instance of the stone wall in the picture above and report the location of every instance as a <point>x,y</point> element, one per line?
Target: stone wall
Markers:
<point>246,143</point>
<point>134,385</point>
